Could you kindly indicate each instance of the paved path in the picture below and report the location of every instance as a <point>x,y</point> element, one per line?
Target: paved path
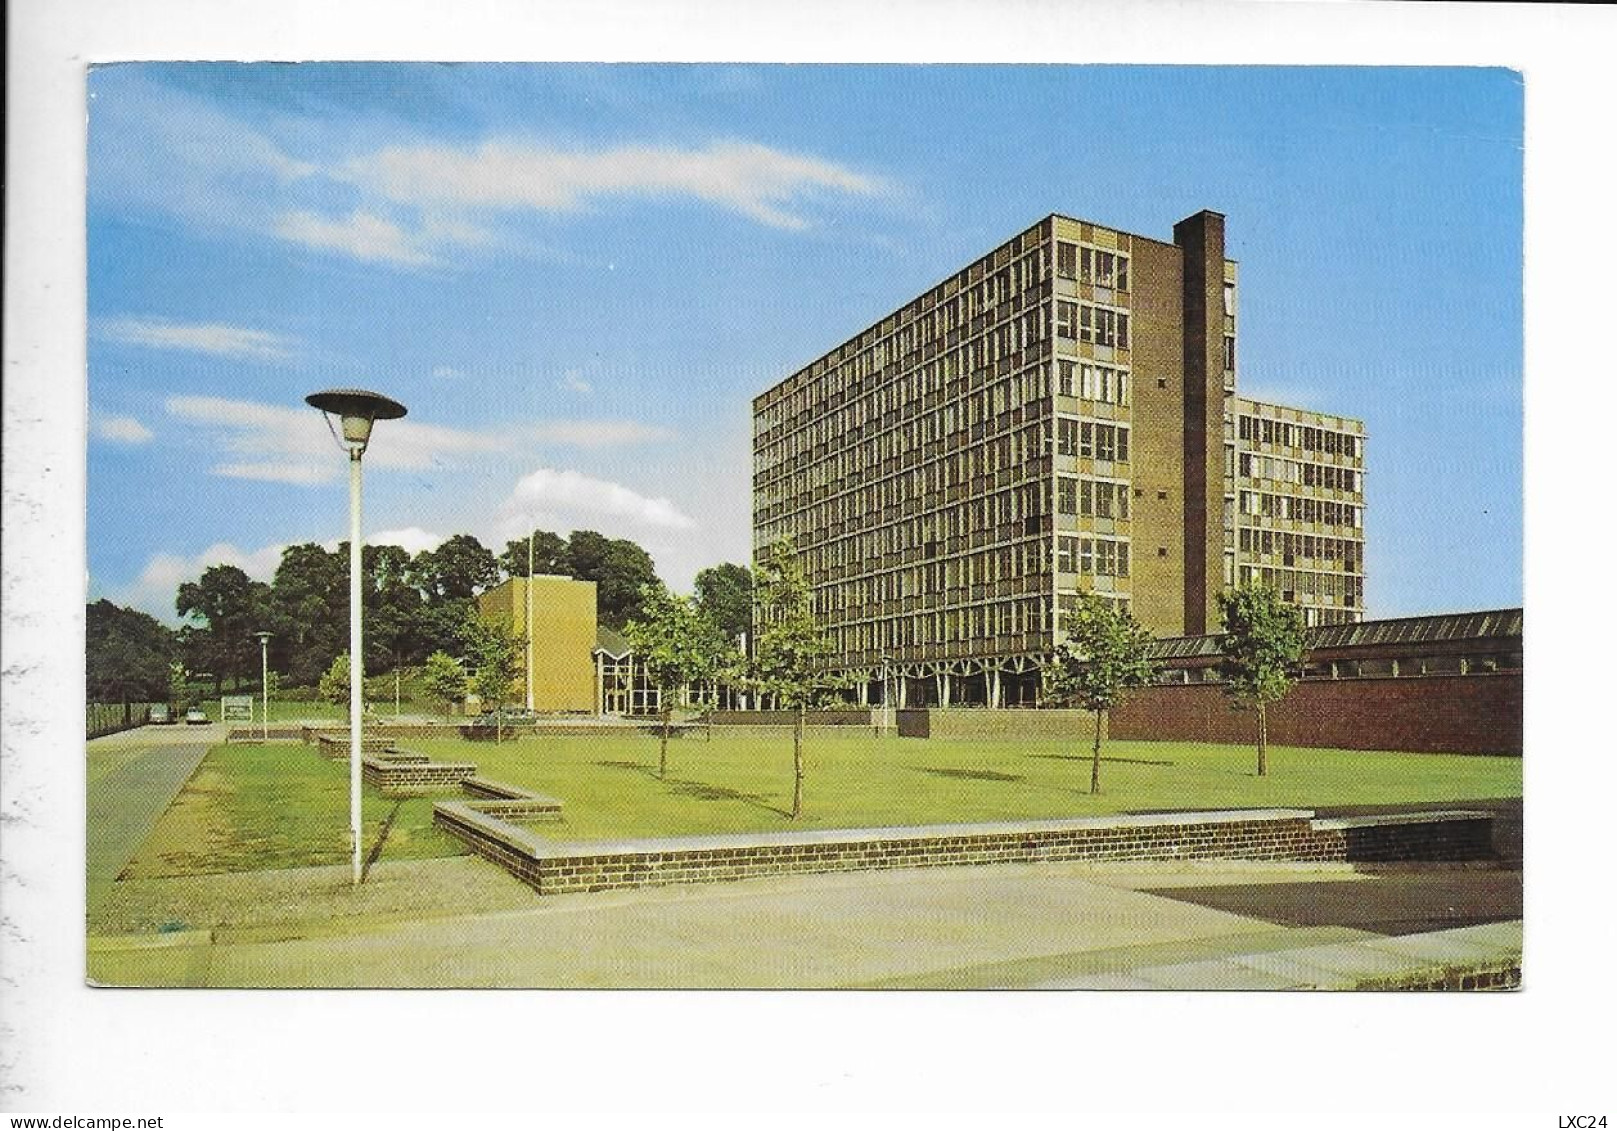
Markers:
<point>133,777</point>
<point>979,927</point>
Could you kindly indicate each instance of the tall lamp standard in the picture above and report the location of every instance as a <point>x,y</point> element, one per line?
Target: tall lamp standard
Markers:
<point>263,649</point>
<point>528,589</point>
<point>357,410</point>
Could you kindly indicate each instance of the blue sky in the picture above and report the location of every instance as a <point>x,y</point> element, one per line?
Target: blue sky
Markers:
<point>577,277</point>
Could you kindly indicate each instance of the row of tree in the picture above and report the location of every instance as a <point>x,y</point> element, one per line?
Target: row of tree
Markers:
<point>414,605</point>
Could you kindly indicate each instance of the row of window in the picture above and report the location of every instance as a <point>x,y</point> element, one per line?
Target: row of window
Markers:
<point>1093,557</point>
<point>1303,548</point>
<point>1303,587</point>
<point>1088,439</point>
<point>1092,265</point>
<point>928,629</point>
<point>955,305</point>
<point>1258,429</point>
<point>1099,325</point>
<point>1100,383</point>
<point>1294,508</point>
<point>1325,475</point>
<point>1092,498</point>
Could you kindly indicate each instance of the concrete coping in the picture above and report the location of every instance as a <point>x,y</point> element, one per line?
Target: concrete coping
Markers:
<point>1374,820</point>
<point>542,847</point>
<point>505,791</point>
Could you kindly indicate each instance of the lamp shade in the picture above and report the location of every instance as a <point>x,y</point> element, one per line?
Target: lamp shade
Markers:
<point>358,409</point>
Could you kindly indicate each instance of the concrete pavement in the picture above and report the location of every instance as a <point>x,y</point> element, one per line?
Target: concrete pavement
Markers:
<point>132,778</point>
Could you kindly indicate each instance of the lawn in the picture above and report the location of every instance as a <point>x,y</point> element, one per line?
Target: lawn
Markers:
<point>284,806</point>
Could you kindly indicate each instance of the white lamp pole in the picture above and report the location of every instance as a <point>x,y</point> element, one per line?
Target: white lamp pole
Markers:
<point>263,648</point>
<point>358,410</point>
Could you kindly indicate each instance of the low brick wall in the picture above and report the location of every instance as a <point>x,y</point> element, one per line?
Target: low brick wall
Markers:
<point>1479,713</point>
<point>332,746</point>
<point>510,802</point>
<point>407,774</point>
<point>1278,834</point>
<point>984,722</point>
<point>850,717</point>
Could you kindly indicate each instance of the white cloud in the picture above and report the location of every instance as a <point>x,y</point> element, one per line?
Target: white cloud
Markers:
<point>299,446</point>
<point>122,430</point>
<point>448,372</point>
<point>214,338</point>
<point>153,591</point>
<point>573,381</point>
<point>412,539</point>
<point>599,433</point>
<point>753,179</point>
<point>363,235</point>
<point>567,497</point>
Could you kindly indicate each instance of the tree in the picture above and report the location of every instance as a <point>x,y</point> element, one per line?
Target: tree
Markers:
<point>791,650</point>
<point>1103,658</point>
<point>724,593</point>
<point>1263,647</point>
<point>549,555</point>
<point>308,612</point>
<point>445,679</point>
<point>127,654</point>
<point>460,568</point>
<point>335,683</point>
<point>620,570</point>
<point>677,645</point>
<point>496,656</point>
<point>230,602</point>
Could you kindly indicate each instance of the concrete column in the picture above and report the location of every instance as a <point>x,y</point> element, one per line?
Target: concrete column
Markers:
<point>943,689</point>
<point>903,682</point>
<point>995,698</point>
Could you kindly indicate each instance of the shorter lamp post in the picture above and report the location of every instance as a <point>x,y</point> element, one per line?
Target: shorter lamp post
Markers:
<point>263,649</point>
<point>357,410</point>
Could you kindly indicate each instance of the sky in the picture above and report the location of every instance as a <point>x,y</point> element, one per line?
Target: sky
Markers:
<point>577,277</point>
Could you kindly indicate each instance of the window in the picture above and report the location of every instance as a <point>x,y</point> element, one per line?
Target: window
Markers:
<point>1066,319</point>
<point>1067,495</point>
<point>1229,354</point>
<point>1067,260</point>
<point>1122,272</point>
<point>1229,300</point>
<point>1066,369</point>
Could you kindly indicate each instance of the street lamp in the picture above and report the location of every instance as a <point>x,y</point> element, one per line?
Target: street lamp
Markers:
<point>528,589</point>
<point>357,410</point>
<point>263,648</point>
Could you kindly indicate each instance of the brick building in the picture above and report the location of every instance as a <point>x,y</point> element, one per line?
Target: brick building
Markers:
<point>1059,415</point>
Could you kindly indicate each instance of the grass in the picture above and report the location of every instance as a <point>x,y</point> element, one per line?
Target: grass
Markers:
<point>283,806</point>
<point>278,806</point>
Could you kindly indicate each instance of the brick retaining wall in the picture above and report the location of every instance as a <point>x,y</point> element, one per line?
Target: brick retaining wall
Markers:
<point>403,773</point>
<point>982,722</point>
<point>1479,713</point>
<point>1281,834</point>
<point>849,717</point>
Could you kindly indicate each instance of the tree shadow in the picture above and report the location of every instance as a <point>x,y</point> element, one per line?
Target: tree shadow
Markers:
<point>969,775</point>
<point>701,791</point>
<point>1103,758</point>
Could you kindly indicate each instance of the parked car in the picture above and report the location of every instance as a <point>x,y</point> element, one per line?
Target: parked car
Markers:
<point>195,715</point>
<point>160,714</point>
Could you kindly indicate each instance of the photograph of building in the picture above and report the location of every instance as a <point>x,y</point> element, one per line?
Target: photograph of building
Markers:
<point>1061,414</point>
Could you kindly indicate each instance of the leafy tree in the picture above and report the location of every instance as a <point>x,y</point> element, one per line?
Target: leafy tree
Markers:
<point>549,555</point>
<point>724,593</point>
<point>462,567</point>
<point>1103,658</point>
<point>308,612</point>
<point>230,602</point>
<point>445,679</point>
<point>677,645</point>
<point>127,654</point>
<point>1263,647</point>
<point>791,650</point>
<point>335,683</point>
<point>620,570</point>
<point>393,610</point>
<point>496,656</point>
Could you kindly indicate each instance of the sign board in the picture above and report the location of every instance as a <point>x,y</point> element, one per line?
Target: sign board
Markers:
<point>236,709</point>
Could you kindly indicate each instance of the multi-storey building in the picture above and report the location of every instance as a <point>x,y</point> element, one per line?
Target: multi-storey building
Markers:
<point>1058,416</point>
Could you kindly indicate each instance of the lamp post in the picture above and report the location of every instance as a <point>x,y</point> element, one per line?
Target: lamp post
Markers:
<point>357,410</point>
<point>263,649</point>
